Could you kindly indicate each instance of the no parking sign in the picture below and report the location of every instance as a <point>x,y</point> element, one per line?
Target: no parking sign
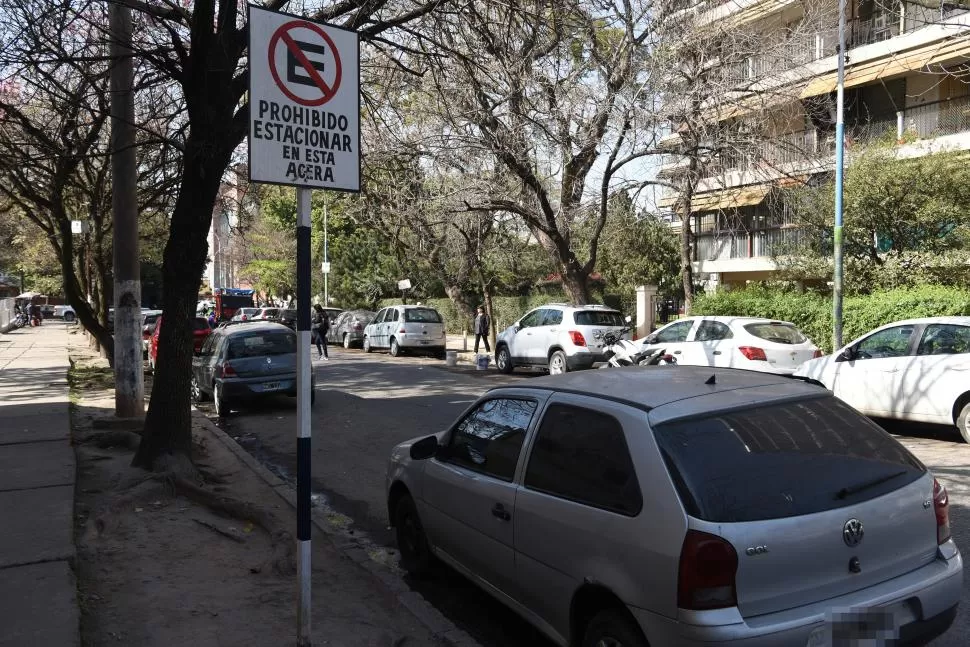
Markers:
<point>304,102</point>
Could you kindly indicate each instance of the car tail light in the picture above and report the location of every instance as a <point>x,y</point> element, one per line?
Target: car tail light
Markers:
<point>228,370</point>
<point>708,565</point>
<point>941,505</point>
<point>753,353</point>
<point>577,338</point>
<point>402,331</point>
<point>357,326</point>
<point>818,353</point>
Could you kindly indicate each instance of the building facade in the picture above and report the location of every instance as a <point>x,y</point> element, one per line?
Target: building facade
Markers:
<point>906,82</point>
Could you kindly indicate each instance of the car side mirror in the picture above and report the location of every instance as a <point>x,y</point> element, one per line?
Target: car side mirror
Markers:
<point>650,339</point>
<point>424,448</point>
<point>847,355</point>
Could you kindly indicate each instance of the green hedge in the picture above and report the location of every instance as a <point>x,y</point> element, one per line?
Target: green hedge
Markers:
<point>812,312</point>
<point>506,310</point>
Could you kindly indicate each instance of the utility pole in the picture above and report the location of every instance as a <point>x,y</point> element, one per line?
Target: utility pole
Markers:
<point>326,258</point>
<point>304,373</point>
<point>129,378</point>
<point>839,177</point>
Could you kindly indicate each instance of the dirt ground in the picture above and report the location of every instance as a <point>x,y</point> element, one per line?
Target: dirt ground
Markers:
<point>159,569</point>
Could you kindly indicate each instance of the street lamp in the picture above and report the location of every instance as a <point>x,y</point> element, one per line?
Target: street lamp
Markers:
<point>839,178</point>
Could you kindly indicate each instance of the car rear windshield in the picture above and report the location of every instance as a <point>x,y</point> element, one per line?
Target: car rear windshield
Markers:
<point>780,333</point>
<point>422,315</point>
<point>271,312</point>
<point>781,460</point>
<point>598,318</point>
<point>200,323</point>
<point>261,345</point>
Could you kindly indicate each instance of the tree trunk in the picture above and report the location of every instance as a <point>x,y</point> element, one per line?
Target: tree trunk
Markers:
<point>463,304</point>
<point>168,423</point>
<point>83,310</point>
<point>575,282</point>
<point>686,262</point>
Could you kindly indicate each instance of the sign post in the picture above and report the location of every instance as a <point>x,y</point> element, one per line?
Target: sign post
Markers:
<point>304,131</point>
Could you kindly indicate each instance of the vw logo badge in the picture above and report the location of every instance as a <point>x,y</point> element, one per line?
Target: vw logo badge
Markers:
<point>269,360</point>
<point>852,532</point>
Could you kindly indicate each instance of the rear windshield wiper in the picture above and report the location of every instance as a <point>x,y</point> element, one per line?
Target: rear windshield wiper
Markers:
<point>855,489</point>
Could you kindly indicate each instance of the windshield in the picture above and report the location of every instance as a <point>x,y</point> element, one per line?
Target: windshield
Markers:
<point>782,460</point>
<point>778,332</point>
<point>422,315</point>
<point>598,318</point>
<point>261,345</point>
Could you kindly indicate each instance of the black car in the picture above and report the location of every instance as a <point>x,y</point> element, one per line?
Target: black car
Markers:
<point>244,361</point>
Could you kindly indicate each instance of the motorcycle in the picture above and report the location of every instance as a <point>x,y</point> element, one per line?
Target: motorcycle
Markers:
<point>623,352</point>
<point>20,321</point>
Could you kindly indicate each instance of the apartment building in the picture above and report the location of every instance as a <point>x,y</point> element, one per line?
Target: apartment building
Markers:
<point>907,80</point>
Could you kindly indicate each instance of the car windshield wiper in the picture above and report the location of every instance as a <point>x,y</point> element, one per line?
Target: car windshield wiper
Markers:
<point>855,489</point>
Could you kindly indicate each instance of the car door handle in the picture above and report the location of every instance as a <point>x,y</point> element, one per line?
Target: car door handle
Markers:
<point>676,352</point>
<point>499,511</point>
<point>717,352</point>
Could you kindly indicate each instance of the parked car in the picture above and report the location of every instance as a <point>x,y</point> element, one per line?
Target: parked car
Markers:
<point>404,327</point>
<point>735,342</point>
<point>681,506</point>
<point>245,314</point>
<point>558,337</point>
<point>200,331</point>
<point>288,316</point>
<point>238,363</point>
<point>267,314</point>
<point>909,370</point>
<point>148,320</point>
<point>347,328</point>
<point>66,313</point>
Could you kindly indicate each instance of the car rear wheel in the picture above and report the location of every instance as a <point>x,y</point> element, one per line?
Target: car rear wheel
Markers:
<point>346,340</point>
<point>613,629</point>
<point>395,349</point>
<point>198,395</point>
<point>963,422</point>
<point>416,556</point>
<point>557,363</point>
<point>367,347</point>
<point>222,406</point>
<point>503,360</point>
<point>69,317</point>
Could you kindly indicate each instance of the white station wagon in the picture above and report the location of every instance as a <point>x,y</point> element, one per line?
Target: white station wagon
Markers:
<point>407,328</point>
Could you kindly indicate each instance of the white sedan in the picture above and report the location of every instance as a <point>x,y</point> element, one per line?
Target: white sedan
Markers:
<point>915,370</point>
<point>734,342</point>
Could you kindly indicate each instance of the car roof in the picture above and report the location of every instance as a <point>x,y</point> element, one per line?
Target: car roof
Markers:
<point>729,319</point>
<point>255,326</point>
<point>654,386</point>
<point>965,321</point>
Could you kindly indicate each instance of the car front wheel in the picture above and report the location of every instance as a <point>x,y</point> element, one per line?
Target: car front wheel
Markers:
<point>503,360</point>
<point>346,340</point>
<point>395,349</point>
<point>69,317</point>
<point>198,395</point>
<point>613,629</point>
<point>557,363</point>
<point>367,347</point>
<point>963,422</point>
<point>416,556</point>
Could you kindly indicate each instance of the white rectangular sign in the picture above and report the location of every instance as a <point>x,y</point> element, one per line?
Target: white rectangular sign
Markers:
<point>325,267</point>
<point>404,284</point>
<point>304,102</point>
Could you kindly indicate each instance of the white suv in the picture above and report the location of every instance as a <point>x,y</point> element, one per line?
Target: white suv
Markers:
<point>559,337</point>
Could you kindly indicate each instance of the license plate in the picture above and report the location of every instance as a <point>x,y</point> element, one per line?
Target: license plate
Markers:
<point>875,626</point>
<point>425,342</point>
<point>271,386</point>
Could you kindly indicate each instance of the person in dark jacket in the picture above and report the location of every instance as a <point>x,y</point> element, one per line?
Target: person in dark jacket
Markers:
<point>482,327</point>
<point>320,326</point>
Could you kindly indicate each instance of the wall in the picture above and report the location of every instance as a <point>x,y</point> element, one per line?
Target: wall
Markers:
<point>7,314</point>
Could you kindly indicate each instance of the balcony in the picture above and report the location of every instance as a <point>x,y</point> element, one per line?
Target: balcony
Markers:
<point>804,150</point>
<point>727,245</point>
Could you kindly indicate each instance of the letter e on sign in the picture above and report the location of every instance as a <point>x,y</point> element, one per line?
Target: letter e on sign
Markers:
<point>305,78</point>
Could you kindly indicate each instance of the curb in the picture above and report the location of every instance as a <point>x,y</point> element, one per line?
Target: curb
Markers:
<point>421,609</point>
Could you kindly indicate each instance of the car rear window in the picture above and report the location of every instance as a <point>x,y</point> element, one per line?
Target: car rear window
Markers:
<point>598,318</point>
<point>422,315</point>
<point>781,460</point>
<point>200,323</point>
<point>776,331</point>
<point>271,312</point>
<point>261,345</point>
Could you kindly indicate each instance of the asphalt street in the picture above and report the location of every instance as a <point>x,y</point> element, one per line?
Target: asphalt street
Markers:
<point>366,404</point>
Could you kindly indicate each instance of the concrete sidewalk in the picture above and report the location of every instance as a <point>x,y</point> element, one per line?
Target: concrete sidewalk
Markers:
<point>38,594</point>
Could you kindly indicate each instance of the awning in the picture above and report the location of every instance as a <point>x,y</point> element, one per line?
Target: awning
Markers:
<point>886,67</point>
<point>742,196</point>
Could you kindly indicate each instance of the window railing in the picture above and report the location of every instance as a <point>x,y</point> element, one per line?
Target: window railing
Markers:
<point>748,244</point>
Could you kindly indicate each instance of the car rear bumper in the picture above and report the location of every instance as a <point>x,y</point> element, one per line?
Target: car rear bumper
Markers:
<point>419,341</point>
<point>250,387</point>
<point>930,595</point>
<point>582,361</point>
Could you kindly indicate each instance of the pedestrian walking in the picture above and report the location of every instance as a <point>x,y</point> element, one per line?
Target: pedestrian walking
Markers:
<point>482,327</point>
<point>320,327</point>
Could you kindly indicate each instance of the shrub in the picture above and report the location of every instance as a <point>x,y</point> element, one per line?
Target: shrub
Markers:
<point>812,312</point>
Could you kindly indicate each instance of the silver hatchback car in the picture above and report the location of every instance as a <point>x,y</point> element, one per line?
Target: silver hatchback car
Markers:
<point>682,506</point>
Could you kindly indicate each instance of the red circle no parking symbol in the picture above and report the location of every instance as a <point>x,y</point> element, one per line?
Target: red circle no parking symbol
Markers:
<point>305,63</point>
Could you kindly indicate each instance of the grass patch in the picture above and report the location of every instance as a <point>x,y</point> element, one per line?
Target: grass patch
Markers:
<point>89,378</point>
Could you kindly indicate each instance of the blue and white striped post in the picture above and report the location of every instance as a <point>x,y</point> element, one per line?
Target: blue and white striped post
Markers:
<point>839,174</point>
<point>303,386</point>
